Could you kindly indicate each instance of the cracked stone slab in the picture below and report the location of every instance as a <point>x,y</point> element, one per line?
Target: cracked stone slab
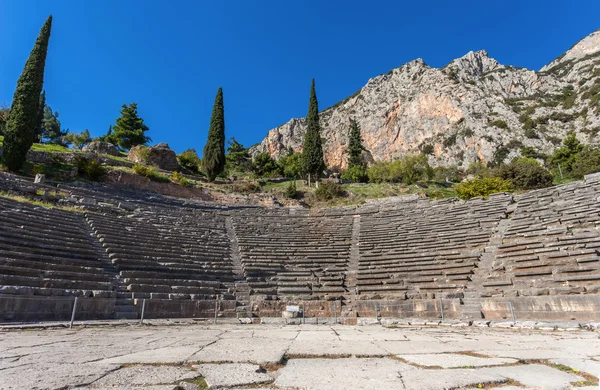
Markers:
<point>335,347</point>
<point>342,374</point>
<point>453,360</point>
<point>146,375</point>
<point>537,376</point>
<point>252,350</point>
<point>52,376</point>
<point>159,355</point>
<point>586,365</point>
<point>233,374</point>
<point>449,378</point>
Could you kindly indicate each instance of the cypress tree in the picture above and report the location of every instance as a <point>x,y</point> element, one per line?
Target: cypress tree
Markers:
<point>355,147</point>
<point>22,118</point>
<point>213,158</point>
<point>40,118</point>
<point>312,151</point>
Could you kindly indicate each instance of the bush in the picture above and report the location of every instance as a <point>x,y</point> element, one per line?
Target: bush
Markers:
<point>178,178</point>
<point>449,174</point>
<point>530,152</point>
<point>356,173</point>
<point>499,123</point>
<point>482,187</point>
<point>290,191</point>
<point>531,133</point>
<point>478,169</point>
<point>150,173</point>
<point>291,165</point>
<point>144,153</point>
<point>427,149</point>
<point>264,166</point>
<point>408,170</point>
<point>189,160</point>
<point>450,141</point>
<point>525,174</point>
<point>91,168</point>
<point>328,190</point>
<point>585,162</point>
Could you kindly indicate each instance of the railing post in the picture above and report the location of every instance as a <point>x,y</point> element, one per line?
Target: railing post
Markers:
<point>442,308</point>
<point>73,313</point>
<point>143,309</point>
<point>376,312</point>
<point>216,309</point>
<point>512,312</point>
<point>303,317</point>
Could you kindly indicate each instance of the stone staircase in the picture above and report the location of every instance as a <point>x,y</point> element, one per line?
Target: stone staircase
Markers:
<point>241,290</point>
<point>348,309</point>
<point>124,305</point>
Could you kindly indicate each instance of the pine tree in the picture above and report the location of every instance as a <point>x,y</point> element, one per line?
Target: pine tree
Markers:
<point>312,152</point>
<point>40,118</point>
<point>51,127</point>
<point>355,147</point>
<point>130,129</point>
<point>213,158</point>
<point>21,123</point>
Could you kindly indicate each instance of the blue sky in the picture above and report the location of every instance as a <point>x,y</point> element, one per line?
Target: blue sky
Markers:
<point>171,56</point>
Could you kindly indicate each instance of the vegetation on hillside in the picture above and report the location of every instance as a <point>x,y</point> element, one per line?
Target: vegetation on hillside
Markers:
<point>213,157</point>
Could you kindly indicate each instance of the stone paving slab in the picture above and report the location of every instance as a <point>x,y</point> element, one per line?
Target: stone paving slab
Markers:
<point>452,360</point>
<point>161,355</point>
<point>589,366</point>
<point>255,350</point>
<point>450,379</point>
<point>52,376</point>
<point>335,347</point>
<point>537,376</point>
<point>233,374</point>
<point>146,375</point>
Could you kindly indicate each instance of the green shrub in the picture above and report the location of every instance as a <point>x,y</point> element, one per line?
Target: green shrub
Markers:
<point>530,152</point>
<point>144,153</point>
<point>478,169</point>
<point>585,162</point>
<point>482,187</point>
<point>499,123</point>
<point>291,165</point>
<point>427,149</point>
<point>264,166</point>
<point>290,191</point>
<point>189,160</point>
<point>449,174</point>
<point>328,190</point>
<point>408,170</point>
<point>150,173</point>
<point>91,168</point>
<point>356,173</point>
<point>179,178</point>
<point>525,174</point>
<point>450,141</point>
<point>531,133</point>
<point>468,133</point>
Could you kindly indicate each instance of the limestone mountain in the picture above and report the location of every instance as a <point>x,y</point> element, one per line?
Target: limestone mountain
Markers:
<point>472,109</point>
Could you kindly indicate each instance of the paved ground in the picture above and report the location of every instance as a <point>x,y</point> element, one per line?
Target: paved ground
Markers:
<point>297,357</point>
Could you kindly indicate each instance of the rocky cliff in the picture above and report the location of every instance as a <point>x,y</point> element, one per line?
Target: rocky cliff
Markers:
<point>472,109</point>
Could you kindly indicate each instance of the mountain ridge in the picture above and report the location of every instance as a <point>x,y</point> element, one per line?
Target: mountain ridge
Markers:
<point>472,109</point>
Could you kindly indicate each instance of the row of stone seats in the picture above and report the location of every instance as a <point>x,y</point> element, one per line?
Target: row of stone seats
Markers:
<point>293,253</point>
<point>47,252</point>
<point>552,242</point>
<point>416,248</point>
<point>179,254</point>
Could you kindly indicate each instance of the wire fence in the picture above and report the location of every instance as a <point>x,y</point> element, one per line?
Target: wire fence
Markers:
<point>67,309</point>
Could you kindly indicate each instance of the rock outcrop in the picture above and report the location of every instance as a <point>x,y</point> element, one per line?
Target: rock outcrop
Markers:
<point>159,155</point>
<point>101,148</point>
<point>472,109</point>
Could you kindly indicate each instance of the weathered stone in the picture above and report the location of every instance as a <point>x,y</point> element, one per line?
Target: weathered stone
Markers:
<point>233,374</point>
<point>450,360</point>
<point>159,155</point>
<point>101,148</point>
<point>40,178</point>
<point>146,375</point>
